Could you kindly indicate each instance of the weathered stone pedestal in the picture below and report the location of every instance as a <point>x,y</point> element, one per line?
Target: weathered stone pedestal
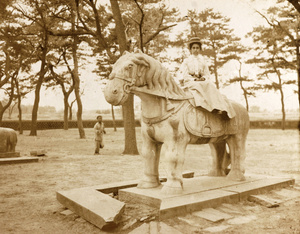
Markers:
<point>202,192</point>
<point>94,205</point>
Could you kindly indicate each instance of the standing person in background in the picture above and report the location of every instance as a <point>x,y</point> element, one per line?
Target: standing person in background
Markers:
<point>99,130</point>
<point>195,76</point>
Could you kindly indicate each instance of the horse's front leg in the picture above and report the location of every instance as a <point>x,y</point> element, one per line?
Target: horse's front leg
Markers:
<point>151,154</point>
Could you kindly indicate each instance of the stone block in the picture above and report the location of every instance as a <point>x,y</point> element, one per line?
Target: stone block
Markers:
<point>242,219</point>
<point>218,213</point>
<point>288,194</point>
<point>190,221</point>
<point>95,207</point>
<point>231,209</point>
<point>17,160</point>
<point>219,228</point>
<point>38,153</point>
<point>10,155</point>
<point>67,212</point>
<point>208,216</point>
<point>264,200</point>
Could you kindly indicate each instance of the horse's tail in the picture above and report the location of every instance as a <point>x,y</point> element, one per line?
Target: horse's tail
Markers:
<point>226,160</point>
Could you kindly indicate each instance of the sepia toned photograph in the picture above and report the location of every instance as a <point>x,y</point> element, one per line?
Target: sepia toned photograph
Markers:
<point>149,116</point>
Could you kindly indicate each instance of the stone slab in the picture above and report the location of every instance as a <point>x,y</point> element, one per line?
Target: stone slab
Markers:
<point>208,216</point>
<point>202,192</point>
<point>155,227</point>
<point>10,155</point>
<point>242,219</point>
<point>287,194</point>
<point>218,213</point>
<point>38,153</point>
<point>218,229</point>
<point>95,207</point>
<point>231,209</point>
<point>4,161</point>
<point>264,200</point>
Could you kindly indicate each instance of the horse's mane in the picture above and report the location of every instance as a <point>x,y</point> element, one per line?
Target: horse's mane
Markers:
<point>155,75</point>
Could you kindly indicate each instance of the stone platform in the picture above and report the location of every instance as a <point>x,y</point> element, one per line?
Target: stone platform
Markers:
<point>94,205</point>
<point>202,192</point>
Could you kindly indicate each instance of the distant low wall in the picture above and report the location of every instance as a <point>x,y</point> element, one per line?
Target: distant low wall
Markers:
<point>56,124</point>
<point>274,124</point>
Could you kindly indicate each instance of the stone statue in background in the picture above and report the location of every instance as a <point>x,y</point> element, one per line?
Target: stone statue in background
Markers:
<point>8,140</point>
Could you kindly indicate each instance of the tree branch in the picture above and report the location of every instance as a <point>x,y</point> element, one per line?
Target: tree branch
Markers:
<point>296,4</point>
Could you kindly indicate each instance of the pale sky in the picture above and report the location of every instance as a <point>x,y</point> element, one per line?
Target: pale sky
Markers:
<point>243,18</point>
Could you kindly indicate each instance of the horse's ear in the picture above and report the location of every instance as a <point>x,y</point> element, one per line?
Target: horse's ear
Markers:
<point>138,51</point>
<point>125,52</point>
<point>140,61</point>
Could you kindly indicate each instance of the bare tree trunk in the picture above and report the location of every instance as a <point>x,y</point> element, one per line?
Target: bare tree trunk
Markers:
<point>19,107</point>
<point>66,110</point>
<point>113,117</point>
<point>282,109</point>
<point>298,74</point>
<point>3,109</point>
<point>33,128</point>
<point>76,79</point>
<point>130,136</point>
<point>128,107</point>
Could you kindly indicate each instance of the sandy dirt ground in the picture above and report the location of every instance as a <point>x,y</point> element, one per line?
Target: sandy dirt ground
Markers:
<point>28,191</point>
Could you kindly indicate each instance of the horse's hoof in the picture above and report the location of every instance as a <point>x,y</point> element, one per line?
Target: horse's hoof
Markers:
<point>236,176</point>
<point>166,190</point>
<point>147,184</point>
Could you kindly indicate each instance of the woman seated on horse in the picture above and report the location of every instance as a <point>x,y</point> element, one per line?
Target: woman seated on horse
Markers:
<point>195,76</point>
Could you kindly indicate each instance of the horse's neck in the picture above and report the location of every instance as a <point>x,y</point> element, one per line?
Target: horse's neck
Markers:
<point>152,106</point>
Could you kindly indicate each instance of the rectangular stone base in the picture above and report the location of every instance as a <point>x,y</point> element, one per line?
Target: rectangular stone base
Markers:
<point>9,154</point>
<point>17,160</point>
<point>202,192</point>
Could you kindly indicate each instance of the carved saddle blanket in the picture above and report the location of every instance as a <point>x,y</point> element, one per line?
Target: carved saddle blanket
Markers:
<point>203,123</point>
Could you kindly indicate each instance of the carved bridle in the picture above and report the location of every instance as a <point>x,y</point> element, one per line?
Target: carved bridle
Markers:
<point>129,83</point>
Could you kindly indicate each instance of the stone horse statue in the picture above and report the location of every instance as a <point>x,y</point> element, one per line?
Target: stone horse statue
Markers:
<point>8,140</point>
<point>170,122</point>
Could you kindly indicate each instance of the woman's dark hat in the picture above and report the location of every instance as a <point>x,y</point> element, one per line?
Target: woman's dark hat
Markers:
<point>194,40</point>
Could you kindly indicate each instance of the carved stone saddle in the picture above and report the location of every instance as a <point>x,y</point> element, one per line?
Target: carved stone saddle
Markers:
<point>203,123</point>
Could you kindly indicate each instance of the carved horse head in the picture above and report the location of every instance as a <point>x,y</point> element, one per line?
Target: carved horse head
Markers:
<point>139,70</point>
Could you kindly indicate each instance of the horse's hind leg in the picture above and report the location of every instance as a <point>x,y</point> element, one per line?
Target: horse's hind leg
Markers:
<point>236,145</point>
<point>218,151</point>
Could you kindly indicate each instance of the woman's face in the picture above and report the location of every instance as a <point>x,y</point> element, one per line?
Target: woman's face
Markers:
<point>195,49</point>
